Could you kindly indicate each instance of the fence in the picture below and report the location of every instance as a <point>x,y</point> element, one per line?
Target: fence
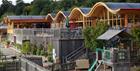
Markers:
<point>27,65</point>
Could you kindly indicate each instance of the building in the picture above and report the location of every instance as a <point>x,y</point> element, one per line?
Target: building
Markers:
<point>117,16</point>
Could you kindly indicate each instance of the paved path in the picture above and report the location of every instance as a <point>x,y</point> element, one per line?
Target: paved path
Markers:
<point>8,51</point>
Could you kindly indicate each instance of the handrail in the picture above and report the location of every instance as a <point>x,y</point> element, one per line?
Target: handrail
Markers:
<point>75,51</point>
<point>93,65</point>
<point>98,65</point>
<point>96,61</point>
<point>75,54</point>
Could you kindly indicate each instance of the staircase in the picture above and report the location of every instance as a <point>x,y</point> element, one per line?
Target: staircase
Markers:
<point>79,52</point>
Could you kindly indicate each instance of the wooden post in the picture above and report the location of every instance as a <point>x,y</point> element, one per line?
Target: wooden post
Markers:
<point>12,27</point>
<point>90,22</point>
<point>84,25</point>
<point>121,22</point>
<point>87,22</point>
<point>108,21</point>
<point>8,27</point>
<point>94,23</point>
<point>104,67</point>
<point>104,17</point>
<point>116,21</point>
<point>112,20</point>
<point>134,20</point>
<point>17,26</point>
<point>126,20</point>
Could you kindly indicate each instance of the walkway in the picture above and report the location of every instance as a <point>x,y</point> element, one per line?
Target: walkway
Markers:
<point>9,52</point>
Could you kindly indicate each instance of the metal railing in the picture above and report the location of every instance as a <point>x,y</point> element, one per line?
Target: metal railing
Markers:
<point>56,33</point>
<point>77,53</point>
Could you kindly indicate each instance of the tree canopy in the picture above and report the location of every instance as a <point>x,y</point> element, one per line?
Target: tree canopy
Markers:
<point>91,34</point>
<point>43,7</point>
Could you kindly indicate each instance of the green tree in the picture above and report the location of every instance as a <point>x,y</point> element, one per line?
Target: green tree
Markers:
<point>6,7</point>
<point>91,34</point>
<point>19,8</point>
<point>27,9</point>
<point>39,5</point>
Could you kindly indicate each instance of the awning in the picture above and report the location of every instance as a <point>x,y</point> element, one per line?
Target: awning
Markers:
<point>109,34</point>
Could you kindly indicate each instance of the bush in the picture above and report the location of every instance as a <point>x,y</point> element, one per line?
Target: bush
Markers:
<point>135,32</point>
<point>18,46</point>
<point>38,51</point>
<point>49,52</point>
<point>26,47</point>
<point>33,49</point>
<point>50,58</point>
<point>42,52</point>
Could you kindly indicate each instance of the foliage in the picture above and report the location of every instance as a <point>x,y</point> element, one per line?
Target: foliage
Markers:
<point>50,58</point>
<point>91,34</point>
<point>33,49</point>
<point>19,7</point>
<point>18,46</point>
<point>49,51</point>
<point>40,5</point>
<point>49,48</point>
<point>26,47</point>
<point>6,7</point>
<point>38,51</point>
<point>88,33</point>
<point>135,32</point>
<point>43,53</point>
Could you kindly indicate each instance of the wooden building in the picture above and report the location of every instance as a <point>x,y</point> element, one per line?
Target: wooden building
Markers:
<point>116,15</point>
<point>14,22</point>
<point>50,19</point>
<point>20,27</point>
<point>3,32</point>
<point>60,19</point>
<point>77,17</point>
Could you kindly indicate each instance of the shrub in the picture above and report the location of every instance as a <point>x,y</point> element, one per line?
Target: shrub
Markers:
<point>50,58</point>
<point>26,47</point>
<point>38,51</point>
<point>33,49</point>
<point>49,52</point>
<point>42,52</point>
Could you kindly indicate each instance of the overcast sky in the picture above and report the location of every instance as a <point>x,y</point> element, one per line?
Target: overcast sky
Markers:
<point>14,1</point>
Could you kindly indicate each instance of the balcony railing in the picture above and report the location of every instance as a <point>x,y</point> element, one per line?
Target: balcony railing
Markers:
<point>44,32</point>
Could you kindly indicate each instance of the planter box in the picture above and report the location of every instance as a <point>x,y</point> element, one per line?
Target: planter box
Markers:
<point>82,64</point>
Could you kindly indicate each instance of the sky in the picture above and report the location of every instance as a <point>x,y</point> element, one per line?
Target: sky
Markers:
<point>14,1</point>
